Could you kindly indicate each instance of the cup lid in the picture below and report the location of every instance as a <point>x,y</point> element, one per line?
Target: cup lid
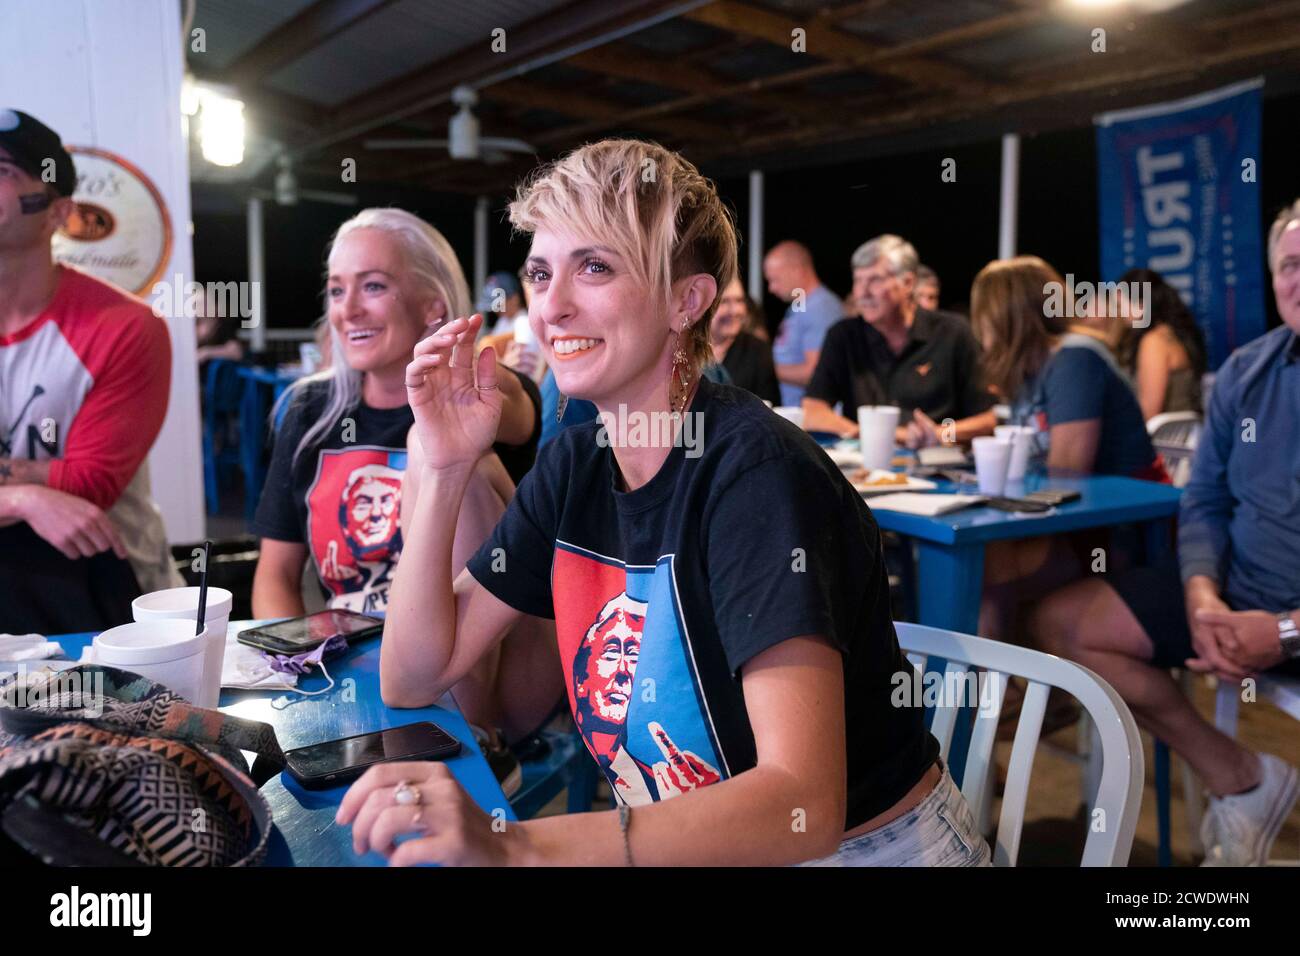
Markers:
<point>182,602</point>
<point>148,642</point>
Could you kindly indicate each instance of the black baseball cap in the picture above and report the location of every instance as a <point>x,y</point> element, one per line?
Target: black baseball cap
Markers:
<point>30,143</point>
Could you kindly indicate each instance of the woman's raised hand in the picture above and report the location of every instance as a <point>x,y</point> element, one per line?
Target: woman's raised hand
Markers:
<point>456,401</point>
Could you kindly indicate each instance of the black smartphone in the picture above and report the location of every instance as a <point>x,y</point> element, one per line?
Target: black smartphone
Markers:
<point>1054,496</point>
<point>336,762</point>
<point>300,634</point>
<point>1018,504</point>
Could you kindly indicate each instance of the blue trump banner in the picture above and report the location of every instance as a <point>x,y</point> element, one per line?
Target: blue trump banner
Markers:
<point>1178,194</point>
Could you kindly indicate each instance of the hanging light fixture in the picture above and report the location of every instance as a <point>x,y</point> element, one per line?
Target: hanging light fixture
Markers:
<point>221,127</point>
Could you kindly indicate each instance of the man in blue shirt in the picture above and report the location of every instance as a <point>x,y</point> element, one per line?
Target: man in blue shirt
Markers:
<point>1231,604</point>
<point>788,269</point>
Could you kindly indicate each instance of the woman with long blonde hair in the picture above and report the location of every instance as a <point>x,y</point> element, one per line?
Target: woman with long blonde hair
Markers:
<point>344,471</point>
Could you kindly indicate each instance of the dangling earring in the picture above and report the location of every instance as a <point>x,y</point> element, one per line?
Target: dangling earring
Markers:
<point>560,406</point>
<point>680,364</point>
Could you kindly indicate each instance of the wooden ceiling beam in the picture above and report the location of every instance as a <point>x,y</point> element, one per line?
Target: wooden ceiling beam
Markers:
<point>528,45</point>
<point>627,63</point>
<point>1273,10</point>
<point>598,110</point>
<point>828,43</point>
<point>985,29</point>
<point>300,35</point>
<point>1051,83</point>
<point>847,11</point>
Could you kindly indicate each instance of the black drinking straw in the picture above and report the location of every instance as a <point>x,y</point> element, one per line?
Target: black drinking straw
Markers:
<point>203,586</point>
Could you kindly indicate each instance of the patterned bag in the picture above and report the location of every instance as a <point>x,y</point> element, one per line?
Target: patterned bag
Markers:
<point>100,766</point>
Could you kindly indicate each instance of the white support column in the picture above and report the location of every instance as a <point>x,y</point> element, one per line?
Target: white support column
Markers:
<point>1010,204</point>
<point>257,274</point>
<point>480,246</point>
<point>754,274</point>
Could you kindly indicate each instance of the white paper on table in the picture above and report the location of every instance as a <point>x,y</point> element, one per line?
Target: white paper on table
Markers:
<point>941,456</point>
<point>925,505</point>
<point>27,647</point>
<point>246,668</point>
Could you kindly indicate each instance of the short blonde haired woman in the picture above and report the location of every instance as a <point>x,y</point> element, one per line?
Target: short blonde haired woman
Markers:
<point>721,609</point>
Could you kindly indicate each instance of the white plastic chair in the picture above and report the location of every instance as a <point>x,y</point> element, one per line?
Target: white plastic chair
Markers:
<point>1119,790</point>
<point>1174,435</point>
<point>1282,692</point>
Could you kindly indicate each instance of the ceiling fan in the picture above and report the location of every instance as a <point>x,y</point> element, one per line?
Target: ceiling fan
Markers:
<point>463,140</point>
<point>287,192</point>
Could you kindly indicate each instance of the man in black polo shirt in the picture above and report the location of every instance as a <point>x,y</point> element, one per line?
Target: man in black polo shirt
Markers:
<point>927,363</point>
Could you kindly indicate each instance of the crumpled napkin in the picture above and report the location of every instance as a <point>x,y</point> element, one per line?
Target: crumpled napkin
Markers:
<point>247,668</point>
<point>28,647</point>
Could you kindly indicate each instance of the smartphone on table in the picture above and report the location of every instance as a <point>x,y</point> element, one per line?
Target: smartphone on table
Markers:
<point>1054,496</point>
<point>335,762</point>
<point>301,634</point>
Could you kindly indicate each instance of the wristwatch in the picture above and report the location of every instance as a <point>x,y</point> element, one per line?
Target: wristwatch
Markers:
<point>1289,634</point>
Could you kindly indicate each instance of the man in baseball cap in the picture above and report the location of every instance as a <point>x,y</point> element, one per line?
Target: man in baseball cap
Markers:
<point>500,300</point>
<point>33,147</point>
<point>85,373</point>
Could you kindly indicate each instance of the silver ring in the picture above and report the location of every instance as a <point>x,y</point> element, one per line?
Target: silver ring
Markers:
<point>487,388</point>
<point>407,794</point>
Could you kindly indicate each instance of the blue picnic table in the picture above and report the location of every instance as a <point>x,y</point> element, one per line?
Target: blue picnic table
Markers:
<point>950,548</point>
<point>304,831</point>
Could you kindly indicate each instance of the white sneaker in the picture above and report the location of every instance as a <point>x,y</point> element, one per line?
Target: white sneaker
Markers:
<point>1239,830</point>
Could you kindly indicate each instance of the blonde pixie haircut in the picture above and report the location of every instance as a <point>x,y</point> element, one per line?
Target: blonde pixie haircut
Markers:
<point>647,203</point>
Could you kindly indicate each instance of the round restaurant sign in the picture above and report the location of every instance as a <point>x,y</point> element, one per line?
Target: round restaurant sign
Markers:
<point>120,230</point>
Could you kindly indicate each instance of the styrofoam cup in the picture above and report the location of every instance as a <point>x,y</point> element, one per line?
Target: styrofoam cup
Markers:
<point>791,413</point>
<point>183,603</point>
<point>992,459</point>
<point>166,651</point>
<point>1022,444</point>
<point>876,427</point>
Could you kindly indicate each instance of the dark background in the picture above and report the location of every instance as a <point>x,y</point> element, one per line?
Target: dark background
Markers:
<point>830,206</point>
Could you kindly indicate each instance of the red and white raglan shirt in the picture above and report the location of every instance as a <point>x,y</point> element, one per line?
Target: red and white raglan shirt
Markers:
<point>85,385</point>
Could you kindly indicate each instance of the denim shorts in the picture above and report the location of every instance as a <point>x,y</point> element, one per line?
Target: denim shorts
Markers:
<point>938,831</point>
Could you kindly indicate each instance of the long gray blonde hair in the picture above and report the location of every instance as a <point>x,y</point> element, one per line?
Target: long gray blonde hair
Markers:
<point>431,264</point>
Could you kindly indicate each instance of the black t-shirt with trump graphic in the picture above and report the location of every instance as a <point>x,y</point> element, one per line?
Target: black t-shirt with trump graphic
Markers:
<point>747,536</point>
<point>342,497</point>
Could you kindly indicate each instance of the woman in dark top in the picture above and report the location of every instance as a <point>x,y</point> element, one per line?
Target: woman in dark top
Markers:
<point>1162,348</point>
<point>344,470</point>
<point>1069,389</point>
<point>747,358</point>
<point>721,607</point>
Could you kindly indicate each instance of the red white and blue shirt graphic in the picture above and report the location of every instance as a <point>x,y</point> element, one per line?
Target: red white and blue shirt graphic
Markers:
<point>353,506</point>
<point>631,677</point>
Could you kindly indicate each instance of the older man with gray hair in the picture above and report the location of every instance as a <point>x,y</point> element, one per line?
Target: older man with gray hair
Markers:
<point>897,353</point>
